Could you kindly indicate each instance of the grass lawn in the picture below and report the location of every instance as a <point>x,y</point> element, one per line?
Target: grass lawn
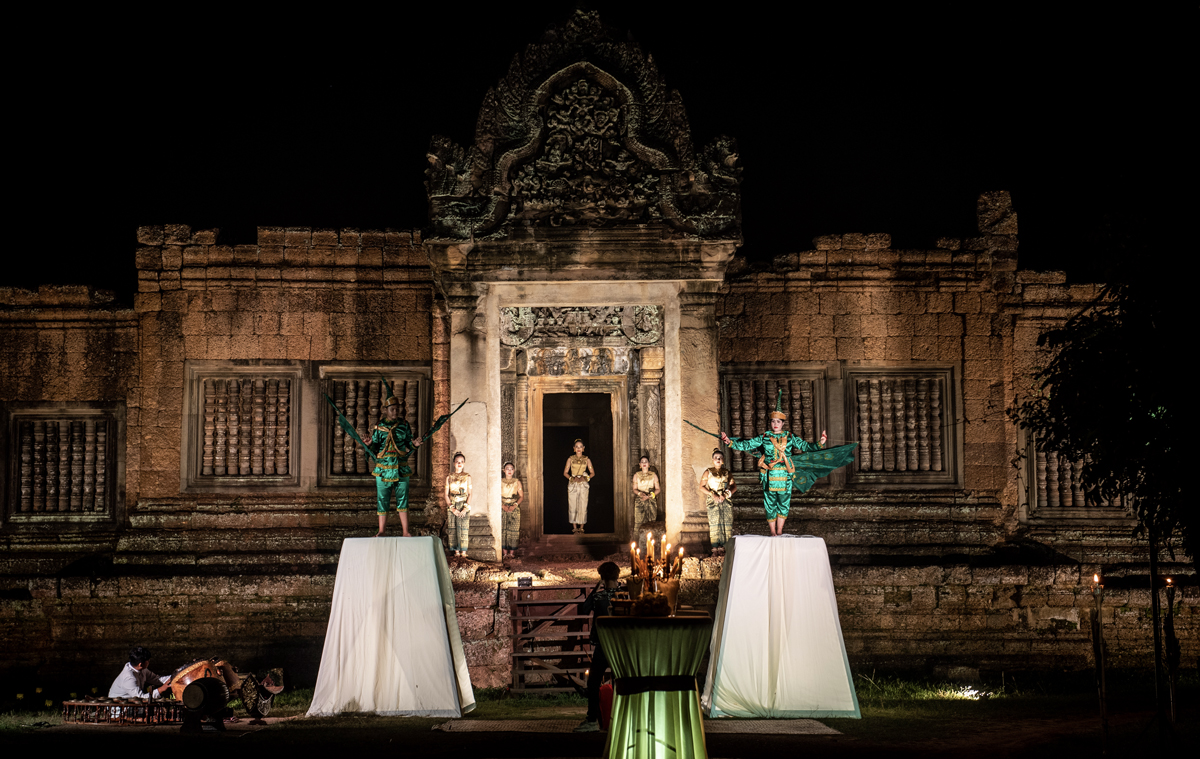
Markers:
<point>1036,715</point>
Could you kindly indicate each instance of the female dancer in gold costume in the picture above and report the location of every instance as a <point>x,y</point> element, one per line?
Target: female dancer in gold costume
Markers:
<point>458,506</point>
<point>578,472</point>
<point>645,495</point>
<point>511,496</point>
<point>718,487</point>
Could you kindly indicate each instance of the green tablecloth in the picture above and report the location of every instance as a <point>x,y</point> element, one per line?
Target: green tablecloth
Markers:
<point>655,724</point>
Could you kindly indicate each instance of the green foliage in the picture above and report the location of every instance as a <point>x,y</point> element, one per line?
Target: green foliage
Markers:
<point>1105,399</point>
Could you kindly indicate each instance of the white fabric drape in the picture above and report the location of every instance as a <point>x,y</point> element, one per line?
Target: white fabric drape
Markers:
<point>392,646</point>
<point>777,647</point>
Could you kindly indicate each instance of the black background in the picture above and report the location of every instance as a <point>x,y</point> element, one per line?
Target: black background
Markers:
<point>854,118</point>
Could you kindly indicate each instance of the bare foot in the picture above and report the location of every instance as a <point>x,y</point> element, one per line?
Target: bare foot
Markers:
<point>406,534</point>
<point>379,534</point>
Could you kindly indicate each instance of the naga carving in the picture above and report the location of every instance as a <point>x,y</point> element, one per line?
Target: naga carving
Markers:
<point>582,131</point>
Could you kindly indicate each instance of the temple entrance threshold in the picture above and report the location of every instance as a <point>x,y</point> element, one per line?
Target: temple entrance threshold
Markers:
<point>594,410</point>
<point>567,417</point>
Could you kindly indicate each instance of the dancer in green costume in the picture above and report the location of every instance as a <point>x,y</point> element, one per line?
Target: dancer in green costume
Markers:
<point>392,443</point>
<point>788,460</point>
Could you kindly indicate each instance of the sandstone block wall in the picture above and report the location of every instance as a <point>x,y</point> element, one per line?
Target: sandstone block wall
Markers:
<point>299,295</point>
<point>65,344</point>
<point>926,577</point>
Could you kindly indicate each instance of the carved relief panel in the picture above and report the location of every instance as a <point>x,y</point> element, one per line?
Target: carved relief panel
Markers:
<point>906,423</point>
<point>1055,489</point>
<point>241,425</point>
<point>63,463</point>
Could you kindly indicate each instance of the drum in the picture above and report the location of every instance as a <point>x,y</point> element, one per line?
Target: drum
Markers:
<point>214,667</point>
<point>206,695</point>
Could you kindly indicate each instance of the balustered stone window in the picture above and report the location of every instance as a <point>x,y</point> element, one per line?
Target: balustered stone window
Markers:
<point>906,422</point>
<point>359,394</point>
<point>63,463</point>
<point>749,395</point>
<point>242,425</point>
<point>1055,489</point>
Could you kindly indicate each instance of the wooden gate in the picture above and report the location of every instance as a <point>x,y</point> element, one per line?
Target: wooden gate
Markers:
<point>550,653</point>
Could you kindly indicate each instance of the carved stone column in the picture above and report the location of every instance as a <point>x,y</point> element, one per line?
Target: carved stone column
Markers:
<point>469,379</point>
<point>650,407</point>
<point>521,419</point>
<point>700,404</point>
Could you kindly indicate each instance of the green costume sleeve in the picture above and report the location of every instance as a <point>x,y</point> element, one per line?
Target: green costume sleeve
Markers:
<point>798,444</point>
<point>749,444</point>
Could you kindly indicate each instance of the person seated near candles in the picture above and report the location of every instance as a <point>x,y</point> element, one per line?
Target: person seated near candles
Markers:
<point>136,680</point>
<point>597,604</point>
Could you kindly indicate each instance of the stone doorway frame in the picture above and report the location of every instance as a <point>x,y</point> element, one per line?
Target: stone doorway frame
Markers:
<point>616,387</point>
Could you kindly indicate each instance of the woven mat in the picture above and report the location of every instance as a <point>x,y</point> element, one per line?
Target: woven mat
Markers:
<point>760,726</point>
<point>508,726</point>
<point>769,726</point>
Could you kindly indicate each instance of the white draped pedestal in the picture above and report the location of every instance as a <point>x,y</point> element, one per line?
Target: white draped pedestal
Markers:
<point>392,646</point>
<point>777,647</point>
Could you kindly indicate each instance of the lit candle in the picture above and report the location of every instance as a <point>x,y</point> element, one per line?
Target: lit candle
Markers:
<point>633,558</point>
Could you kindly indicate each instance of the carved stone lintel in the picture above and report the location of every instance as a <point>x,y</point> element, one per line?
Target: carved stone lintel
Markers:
<point>577,362</point>
<point>584,325</point>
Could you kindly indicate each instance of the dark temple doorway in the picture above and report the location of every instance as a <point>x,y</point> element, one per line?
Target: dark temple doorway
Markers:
<point>588,417</point>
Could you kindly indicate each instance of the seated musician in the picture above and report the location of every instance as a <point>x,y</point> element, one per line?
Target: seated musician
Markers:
<point>598,604</point>
<point>136,680</point>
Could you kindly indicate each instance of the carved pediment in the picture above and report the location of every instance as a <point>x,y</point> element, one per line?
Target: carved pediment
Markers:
<point>582,131</point>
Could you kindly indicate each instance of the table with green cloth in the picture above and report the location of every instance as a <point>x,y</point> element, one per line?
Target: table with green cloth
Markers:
<point>656,707</point>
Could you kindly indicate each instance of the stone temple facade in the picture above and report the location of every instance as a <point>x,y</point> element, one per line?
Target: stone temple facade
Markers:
<point>172,475</point>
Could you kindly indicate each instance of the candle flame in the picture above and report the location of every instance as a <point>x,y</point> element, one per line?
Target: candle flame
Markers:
<point>650,535</point>
<point>1096,579</point>
<point>681,550</point>
<point>633,545</point>
<point>1168,580</point>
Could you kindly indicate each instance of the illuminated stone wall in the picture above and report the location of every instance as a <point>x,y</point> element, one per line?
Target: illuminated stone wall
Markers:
<point>934,569</point>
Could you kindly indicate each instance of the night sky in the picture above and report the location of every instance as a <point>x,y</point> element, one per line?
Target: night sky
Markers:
<point>856,120</point>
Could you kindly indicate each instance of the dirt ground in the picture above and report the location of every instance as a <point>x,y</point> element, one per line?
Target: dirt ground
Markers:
<point>1003,732</point>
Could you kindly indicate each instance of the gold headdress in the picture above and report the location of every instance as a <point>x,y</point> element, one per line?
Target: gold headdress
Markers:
<point>778,412</point>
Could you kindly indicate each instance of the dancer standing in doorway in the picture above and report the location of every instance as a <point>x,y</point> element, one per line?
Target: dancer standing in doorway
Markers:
<point>458,506</point>
<point>511,495</point>
<point>645,495</point>
<point>578,472</point>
